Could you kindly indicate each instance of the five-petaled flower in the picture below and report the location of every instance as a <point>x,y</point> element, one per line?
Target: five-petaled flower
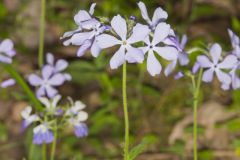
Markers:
<point>157,45</point>
<point>126,50</point>
<point>216,66</point>
<point>47,82</point>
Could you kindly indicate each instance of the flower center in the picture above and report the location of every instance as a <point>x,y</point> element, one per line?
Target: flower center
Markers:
<point>124,43</point>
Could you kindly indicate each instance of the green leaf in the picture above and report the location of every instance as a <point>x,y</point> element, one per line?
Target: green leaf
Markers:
<point>137,150</point>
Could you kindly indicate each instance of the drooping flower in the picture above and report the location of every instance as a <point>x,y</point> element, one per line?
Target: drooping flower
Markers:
<point>235,41</point>
<point>7,83</point>
<point>51,105</point>
<point>156,45</point>
<point>126,50</point>
<point>83,19</point>
<point>86,36</point>
<point>6,51</point>
<point>42,134</point>
<point>45,84</point>
<point>77,117</point>
<point>173,40</point>
<point>159,15</point>
<point>59,66</point>
<point>216,66</point>
<point>28,118</point>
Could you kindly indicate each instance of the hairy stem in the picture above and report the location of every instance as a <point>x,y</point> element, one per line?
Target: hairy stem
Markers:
<point>41,33</point>
<point>125,109</point>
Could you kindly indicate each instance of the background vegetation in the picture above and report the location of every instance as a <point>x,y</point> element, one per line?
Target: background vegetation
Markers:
<point>160,107</point>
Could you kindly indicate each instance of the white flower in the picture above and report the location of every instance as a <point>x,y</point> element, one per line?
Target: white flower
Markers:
<point>126,50</point>
<point>167,52</point>
<point>28,118</point>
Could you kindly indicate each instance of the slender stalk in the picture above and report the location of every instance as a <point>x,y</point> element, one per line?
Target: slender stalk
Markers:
<point>125,109</point>
<point>196,90</point>
<point>53,149</point>
<point>41,33</point>
<point>24,85</point>
<point>30,156</point>
<point>44,151</point>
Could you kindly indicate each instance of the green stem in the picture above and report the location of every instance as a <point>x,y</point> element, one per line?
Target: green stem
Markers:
<point>44,151</point>
<point>31,151</point>
<point>53,149</point>
<point>24,86</point>
<point>196,90</point>
<point>125,109</point>
<point>41,34</point>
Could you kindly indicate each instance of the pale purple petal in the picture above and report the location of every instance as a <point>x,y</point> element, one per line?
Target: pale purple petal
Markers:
<point>84,47</point>
<point>47,71</point>
<point>50,59</point>
<point>204,62</point>
<point>61,65</point>
<point>120,26</point>
<point>179,75</point>
<point>90,24</point>
<point>168,53</point>
<point>118,58</point>
<point>79,38</point>
<point>95,49</point>
<point>161,33</point>
<point>40,91</point>
<point>8,83</point>
<point>43,137</point>
<point>6,46</point>
<point>57,79</point>
<point>184,41</point>
<point>81,16</point>
<point>169,69</point>
<point>139,33</point>
<point>67,76</point>
<point>51,92</point>
<point>195,68</point>
<point>153,66</point>
<point>81,130</point>
<point>159,15</point>
<point>229,62</point>
<point>144,12</point>
<point>5,59</point>
<point>35,80</point>
<point>91,10</point>
<point>134,55</point>
<point>70,33</point>
<point>225,86</point>
<point>106,41</point>
<point>208,75</point>
<point>215,52</point>
<point>223,77</point>
<point>183,59</point>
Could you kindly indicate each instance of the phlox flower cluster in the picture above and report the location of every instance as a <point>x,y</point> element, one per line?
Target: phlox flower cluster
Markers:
<point>54,118</point>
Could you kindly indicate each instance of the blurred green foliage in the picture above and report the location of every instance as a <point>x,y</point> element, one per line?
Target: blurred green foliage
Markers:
<point>156,104</point>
